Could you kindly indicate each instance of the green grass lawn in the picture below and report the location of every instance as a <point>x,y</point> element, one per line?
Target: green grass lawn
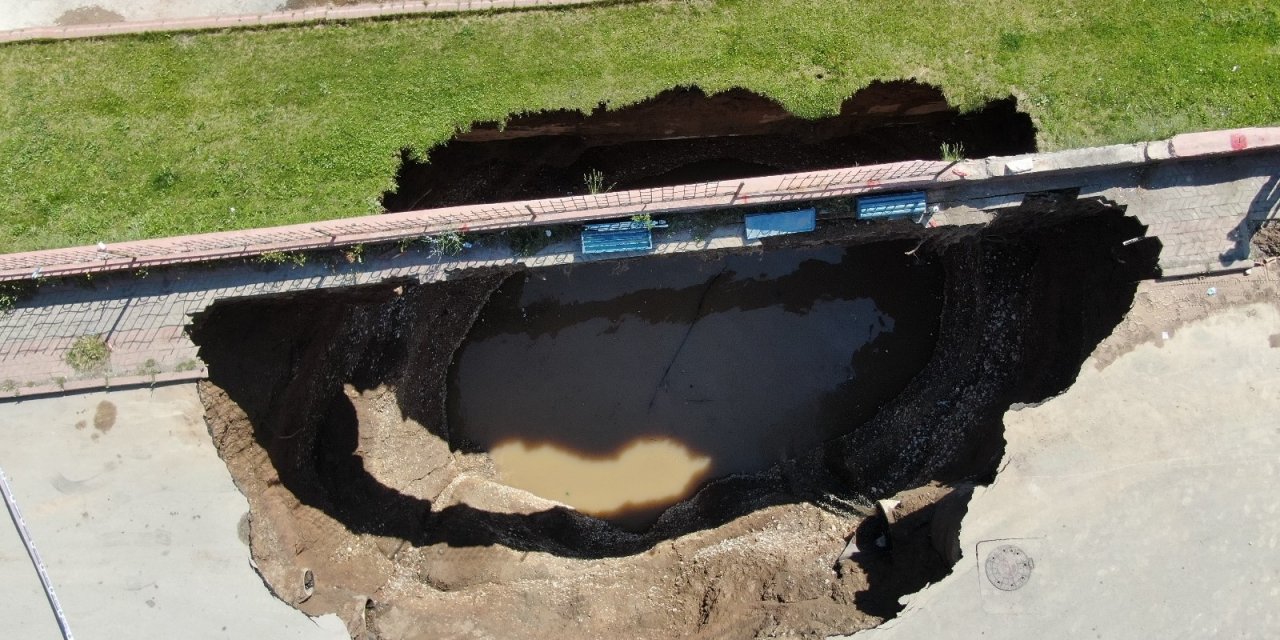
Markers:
<point>157,135</point>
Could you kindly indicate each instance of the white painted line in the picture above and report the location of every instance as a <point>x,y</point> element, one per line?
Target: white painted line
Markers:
<point>21,524</point>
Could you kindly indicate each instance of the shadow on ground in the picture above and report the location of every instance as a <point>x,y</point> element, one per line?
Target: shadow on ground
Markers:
<point>684,136</point>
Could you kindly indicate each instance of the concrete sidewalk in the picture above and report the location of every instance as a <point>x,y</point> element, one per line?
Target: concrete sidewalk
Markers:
<point>135,517</point>
<point>1141,503</point>
<point>66,19</point>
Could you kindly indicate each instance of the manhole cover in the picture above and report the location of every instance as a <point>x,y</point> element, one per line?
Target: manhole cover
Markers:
<point>1009,568</point>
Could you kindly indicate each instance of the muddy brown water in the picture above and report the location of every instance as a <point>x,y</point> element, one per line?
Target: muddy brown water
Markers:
<point>621,388</point>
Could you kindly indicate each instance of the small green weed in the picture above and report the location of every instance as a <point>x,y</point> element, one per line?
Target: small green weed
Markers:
<point>528,241</point>
<point>644,219</point>
<point>11,293</point>
<point>296,258</point>
<point>88,354</point>
<point>149,368</point>
<point>449,243</point>
<point>355,254</point>
<point>594,181</point>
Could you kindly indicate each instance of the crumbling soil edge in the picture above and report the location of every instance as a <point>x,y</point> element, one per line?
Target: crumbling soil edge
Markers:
<point>683,135</point>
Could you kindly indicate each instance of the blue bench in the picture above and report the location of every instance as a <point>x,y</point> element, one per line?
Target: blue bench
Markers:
<point>893,205</point>
<point>767,225</point>
<point>617,237</point>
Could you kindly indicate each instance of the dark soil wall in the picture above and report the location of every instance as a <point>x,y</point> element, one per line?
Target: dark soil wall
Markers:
<point>682,136</point>
<point>1027,301</point>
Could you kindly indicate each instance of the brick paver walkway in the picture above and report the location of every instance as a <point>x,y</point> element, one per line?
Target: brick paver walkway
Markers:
<point>1201,209</point>
<point>1204,212</point>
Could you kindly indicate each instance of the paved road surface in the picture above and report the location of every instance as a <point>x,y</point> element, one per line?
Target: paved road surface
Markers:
<point>136,522</point>
<point>43,19</point>
<point>1145,497</point>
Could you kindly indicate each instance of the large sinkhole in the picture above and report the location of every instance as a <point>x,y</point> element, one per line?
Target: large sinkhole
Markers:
<point>683,136</point>
<point>720,383</point>
<point>621,389</point>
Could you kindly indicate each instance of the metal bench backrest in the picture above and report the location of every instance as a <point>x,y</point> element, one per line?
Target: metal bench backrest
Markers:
<point>617,237</point>
<point>765,225</point>
<point>893,205</point>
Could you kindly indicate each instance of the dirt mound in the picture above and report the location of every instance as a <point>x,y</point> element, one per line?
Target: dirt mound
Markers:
<point>1267,240</point>
<point>329,409</point>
